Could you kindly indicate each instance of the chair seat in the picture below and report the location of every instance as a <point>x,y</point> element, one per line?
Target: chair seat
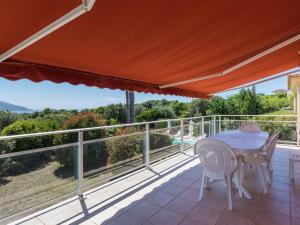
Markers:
<point>254,160</point>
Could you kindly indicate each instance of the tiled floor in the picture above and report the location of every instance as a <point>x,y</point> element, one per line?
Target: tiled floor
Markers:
<point>168,193</point>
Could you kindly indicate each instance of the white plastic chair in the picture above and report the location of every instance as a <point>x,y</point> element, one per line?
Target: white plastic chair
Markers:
<point>263,163</point>
<point>250,127</point>
<point>219,163</point>
<point>263,154</point>
<point>198,139</point>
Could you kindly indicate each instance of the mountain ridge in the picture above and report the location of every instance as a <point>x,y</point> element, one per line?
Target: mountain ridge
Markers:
<point>5,106</point>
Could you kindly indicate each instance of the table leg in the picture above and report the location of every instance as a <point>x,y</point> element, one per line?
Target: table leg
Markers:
<point>246,193</point>
<point>239,181</point>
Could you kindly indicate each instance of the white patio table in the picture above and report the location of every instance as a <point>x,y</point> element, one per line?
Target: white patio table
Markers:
<point>243,142</point>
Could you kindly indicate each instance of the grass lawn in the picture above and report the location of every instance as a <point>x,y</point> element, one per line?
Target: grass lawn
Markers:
<point>18,193</point>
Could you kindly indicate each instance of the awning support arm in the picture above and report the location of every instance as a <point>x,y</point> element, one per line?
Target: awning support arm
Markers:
<point>233,68</point>
<point>258,82</point>
<point>73,14</point>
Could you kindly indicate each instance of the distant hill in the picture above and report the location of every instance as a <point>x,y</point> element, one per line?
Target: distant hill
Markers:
<point>4,106</point>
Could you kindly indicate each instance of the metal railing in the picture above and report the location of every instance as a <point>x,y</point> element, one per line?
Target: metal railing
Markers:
<point>181,132</point>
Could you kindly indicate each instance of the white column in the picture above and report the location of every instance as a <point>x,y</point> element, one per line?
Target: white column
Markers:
<point>147,146</point>
<point>298,114</point>
<point>295,103</point>
<point>181,134</point>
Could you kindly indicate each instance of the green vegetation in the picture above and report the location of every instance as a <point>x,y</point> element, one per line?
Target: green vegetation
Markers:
<point>101,153</point>
<point>94,153</point>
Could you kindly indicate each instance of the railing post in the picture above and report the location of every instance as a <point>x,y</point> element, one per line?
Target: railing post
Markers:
<point>220,124</point>
<point>181,134</point>
<point>80,164</point>
<point>169,127</point>
<point>214,128</point>
<point>297,131</point>
<point>202,125</point>
<point>191,128</point>
<point>147,147</point>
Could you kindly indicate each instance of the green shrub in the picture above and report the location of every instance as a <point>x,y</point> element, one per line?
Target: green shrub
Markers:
<point>159,141</point>
<point>15,165</point>
<point>122,148</point>
<point>94,154</point>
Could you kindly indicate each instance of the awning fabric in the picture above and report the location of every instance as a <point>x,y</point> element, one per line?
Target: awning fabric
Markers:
<point>139,45</point>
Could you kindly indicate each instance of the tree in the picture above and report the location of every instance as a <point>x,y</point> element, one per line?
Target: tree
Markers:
<point>129,106</point>
<point>198,107</point>
<point>156,113</point>
<point>248,102</point>
<point>138,109</point>
<point>100,110</point>
<point>179,108</point>
<point>217,106</point>
<point>6,118</point>
<point>116,112</point>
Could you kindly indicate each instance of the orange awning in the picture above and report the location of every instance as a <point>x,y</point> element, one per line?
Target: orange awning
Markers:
<point>145,45</point>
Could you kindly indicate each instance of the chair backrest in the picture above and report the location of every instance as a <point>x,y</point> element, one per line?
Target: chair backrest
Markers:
<point>250,126</point>
<point>216,157</point>
<point>270,147</point>
<point>270,138</point>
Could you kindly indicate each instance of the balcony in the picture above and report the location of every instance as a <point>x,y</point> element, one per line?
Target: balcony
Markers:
<point>157,185</point>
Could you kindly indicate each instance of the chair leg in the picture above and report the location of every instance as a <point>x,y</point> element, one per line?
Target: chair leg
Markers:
<point>292,170</point>
<point>207,183</point>
<point>229,193</point>
<point>267,175</point>
<point>262,177</point>
<point>202,186</point>
<point>240,178</point>
<point>270,166</point>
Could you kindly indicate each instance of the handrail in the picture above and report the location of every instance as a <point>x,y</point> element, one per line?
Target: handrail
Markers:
<point>260,115</point>
<point>9,137</point>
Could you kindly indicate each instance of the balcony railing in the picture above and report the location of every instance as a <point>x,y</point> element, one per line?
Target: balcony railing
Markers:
<point>39,169</point>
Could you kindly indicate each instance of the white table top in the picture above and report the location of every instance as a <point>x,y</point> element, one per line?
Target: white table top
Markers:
<point>242,141</point>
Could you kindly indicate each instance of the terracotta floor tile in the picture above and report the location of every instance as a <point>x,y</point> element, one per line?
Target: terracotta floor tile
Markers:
<point>205,214</point>
<point>181,206</point>
<point>173,189</point>
<point>144,210</point>
<point>280,186</point>
<point>190,195</point>
<point>274,205</point>
<point>281,179</point>
<point>214,202</point>
<point>196,185</point>
<point>268,217</point>
<point>295,210</point>
<point>126,218</point>
<point>165,217</point>
<point>183,181</point>
<point>191,221</point>
<point>160,198</point>
<point>295,221</point>
<point>243,210</point>
<point>283,196</point>
<point>234,219</point>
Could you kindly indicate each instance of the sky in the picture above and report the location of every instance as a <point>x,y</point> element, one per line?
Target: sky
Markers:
<point>45,94</point>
